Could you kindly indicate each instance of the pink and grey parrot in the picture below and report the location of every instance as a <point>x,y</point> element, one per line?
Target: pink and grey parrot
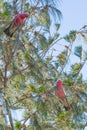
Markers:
<point>60,93</point>
<point>15,23</point>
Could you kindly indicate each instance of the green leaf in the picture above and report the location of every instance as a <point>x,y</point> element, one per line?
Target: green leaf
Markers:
<point>33,88</point>
<point>17,125</point>
<point>76,69</point>
<point>62,58</point>
<point>27,56</point>
<point>1,127</point>
<point>41,107</point>
<point>35,122</point>
<point>57,26</point>
<point>6,12</point>
<point>41,89</point>
<point>62,115</point>
<point>43,18</point>
<point>68,82</point>
<point>27,5</point>
<point>6,8</point>
<point>78,51</point>
<point>43,44</point>
<point>71,37</point>
<point>55,13</point>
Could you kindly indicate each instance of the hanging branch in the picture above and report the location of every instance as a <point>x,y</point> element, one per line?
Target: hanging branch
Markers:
<point>9,114</point>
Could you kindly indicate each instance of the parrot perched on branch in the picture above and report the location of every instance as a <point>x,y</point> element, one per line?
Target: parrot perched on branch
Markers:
<point>60,93</point>
<point>15,23</point>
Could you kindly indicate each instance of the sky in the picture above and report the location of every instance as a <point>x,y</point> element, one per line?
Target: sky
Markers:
<point>74,15</point>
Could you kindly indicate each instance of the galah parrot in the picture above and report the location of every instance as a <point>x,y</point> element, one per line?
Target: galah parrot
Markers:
<point>15,23</point>
<point>60,93</point>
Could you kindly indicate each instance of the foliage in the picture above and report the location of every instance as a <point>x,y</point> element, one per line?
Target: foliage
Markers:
<point>31,62</point>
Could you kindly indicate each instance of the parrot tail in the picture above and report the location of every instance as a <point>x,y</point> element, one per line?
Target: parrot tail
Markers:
<point>7,32</point>
<point>67,108</point>
<point>65,103</point>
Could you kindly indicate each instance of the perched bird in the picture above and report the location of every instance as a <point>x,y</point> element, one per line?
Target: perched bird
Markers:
<point>15,23</point>
<point>60,93</point>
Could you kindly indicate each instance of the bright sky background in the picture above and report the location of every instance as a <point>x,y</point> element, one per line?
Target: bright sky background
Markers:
<point>74,15</point>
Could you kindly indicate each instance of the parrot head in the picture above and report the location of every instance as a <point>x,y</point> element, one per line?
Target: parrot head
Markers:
<point>22,15</point>
<point>59,83</point>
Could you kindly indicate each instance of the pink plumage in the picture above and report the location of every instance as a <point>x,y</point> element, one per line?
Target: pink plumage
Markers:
<point>15,23</point>
<point>19,19</point>
<point>60,93</point>
<point>59,89</point>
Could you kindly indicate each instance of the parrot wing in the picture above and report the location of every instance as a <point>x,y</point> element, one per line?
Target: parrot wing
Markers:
<point>65,103</point>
